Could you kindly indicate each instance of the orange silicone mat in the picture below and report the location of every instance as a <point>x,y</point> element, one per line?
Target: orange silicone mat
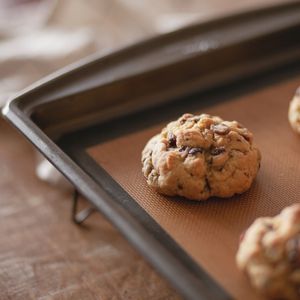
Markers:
<point>209,231</point>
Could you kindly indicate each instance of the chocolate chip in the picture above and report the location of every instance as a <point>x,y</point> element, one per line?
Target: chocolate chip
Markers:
<point>172,140</point>
<point>207,185</point>
<point>220,129</point>
<point>183,148</point>
<point>246,137</point>
<point>217,151</point>
<point>194,151</point>
<point>293,251</point>
<point>180,186</point>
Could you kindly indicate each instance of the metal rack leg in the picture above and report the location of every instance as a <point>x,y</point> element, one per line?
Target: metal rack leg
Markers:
<point>80,217</point>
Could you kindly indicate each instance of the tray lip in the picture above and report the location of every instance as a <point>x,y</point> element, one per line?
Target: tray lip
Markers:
<point>162,259</point>
<point>86,185</point>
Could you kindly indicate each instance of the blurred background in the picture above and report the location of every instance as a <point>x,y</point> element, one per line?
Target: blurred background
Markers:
<point>40,36</point>
<point>43,255</point>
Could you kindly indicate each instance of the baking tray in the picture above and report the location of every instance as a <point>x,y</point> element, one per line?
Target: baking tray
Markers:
<point>91,120</point>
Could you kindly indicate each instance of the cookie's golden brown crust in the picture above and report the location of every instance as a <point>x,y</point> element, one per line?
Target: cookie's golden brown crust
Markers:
<point>201,156</point>
<point>294,112</point>
<point>269,254</point>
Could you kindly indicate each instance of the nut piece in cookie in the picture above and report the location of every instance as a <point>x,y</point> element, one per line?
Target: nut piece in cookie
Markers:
<point>269,254</point>
<point>200,156</point>
<point>294,112</point>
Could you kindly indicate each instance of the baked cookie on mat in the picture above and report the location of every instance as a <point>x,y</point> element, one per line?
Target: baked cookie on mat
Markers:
<point>294,112</point>
<point>269,254</point>
<point>200,156</point>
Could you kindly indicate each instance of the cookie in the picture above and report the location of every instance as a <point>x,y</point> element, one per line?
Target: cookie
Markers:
<point>200,156</point>
<point>294,112</point>
<point>269,254</point>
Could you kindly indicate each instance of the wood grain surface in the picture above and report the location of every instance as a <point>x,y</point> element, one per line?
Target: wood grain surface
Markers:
<point>43,255</point>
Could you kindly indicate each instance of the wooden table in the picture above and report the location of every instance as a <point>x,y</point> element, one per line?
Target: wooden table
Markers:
<point>43,255</point>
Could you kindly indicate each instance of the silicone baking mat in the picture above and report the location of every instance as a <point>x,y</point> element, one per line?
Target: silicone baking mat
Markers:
<point>209,231</point>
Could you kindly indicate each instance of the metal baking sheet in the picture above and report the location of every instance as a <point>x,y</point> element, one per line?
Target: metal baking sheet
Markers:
<point>209,231</point>
<point>92,120</point>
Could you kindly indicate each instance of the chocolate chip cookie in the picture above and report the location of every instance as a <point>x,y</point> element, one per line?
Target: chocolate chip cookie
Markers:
<point>269,254</point>
<point>199,156</point>
<point>294,112</point>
